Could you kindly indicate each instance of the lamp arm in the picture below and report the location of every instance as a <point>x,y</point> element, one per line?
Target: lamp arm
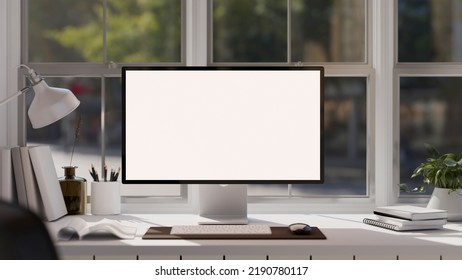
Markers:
<point>6,100</point>
<point>34,78</point>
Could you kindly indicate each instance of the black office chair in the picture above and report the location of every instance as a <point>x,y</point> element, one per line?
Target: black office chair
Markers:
<point>23,236</point>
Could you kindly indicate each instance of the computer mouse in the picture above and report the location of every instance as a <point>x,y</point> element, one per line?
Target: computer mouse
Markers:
<point>300,228</point>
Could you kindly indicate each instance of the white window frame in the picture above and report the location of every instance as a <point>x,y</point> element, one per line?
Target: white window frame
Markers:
<point>10,32</point>
<point>381,138</point>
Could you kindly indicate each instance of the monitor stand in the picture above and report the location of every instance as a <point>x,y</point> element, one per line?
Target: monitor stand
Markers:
<point>223,204</point>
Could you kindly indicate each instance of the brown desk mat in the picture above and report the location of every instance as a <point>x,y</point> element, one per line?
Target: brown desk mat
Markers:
<point>277,233</point>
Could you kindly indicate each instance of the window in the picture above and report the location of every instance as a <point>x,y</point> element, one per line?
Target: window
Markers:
<point>313,31</point>
<point>429,77</point>
<point>429,31</point>
<point>82,44</point>
<point>318,32</point>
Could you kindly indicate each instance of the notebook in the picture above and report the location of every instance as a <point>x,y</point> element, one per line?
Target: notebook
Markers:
<point>405,225</point>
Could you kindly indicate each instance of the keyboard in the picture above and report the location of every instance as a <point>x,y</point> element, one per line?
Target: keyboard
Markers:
<point>220,229</point>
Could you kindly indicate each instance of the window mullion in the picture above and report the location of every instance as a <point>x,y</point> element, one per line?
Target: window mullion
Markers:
<point>429,69</point>
<point>104,54</point>
<point>383,38</point>
<point>13,121</point>
<point>103,122</point>
<point>289,31</point>
<point>196,33</point>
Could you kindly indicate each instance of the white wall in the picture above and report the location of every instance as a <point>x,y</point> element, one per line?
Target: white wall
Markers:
<point>10,50</point>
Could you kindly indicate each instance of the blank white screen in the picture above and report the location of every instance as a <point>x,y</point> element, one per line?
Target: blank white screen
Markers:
<point>222,125</point>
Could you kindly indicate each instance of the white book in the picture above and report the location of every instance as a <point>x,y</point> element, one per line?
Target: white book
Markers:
<point>79,228</point>
<point>19,177</point>
<point>7,185</point>
<point>48,183</point>
<point>403,222</point>
<point>411,212</point>
<point>34,200</point>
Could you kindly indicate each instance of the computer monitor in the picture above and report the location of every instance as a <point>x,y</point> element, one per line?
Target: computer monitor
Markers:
<point>222,126</point>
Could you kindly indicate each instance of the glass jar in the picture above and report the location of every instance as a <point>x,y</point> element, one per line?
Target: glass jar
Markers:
<point>74,191</point>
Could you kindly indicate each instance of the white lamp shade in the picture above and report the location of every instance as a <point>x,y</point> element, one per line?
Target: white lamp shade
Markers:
<point>50,104</point>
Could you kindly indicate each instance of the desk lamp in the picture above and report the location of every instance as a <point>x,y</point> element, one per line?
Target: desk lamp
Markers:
<point>50,104</point>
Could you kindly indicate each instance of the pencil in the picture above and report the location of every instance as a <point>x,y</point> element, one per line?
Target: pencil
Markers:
<point>116,175</point>
<point>93,173</point>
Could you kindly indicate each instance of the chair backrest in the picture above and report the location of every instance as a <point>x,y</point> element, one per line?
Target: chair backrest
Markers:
<point>23,236</point>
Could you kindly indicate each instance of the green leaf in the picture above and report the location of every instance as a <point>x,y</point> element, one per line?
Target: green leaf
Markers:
<point>432,151</point>
<point>405,188</point>
<point>450,162</point>
<point>438,174</point>
<point>444,171</point>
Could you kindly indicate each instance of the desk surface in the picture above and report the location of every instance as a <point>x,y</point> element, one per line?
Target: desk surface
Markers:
<point>347,238</point>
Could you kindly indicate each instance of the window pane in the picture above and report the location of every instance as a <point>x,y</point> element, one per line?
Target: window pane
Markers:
<point>144,31</point>
<point>429,113</point>
<point>249,31</point>
<point>328,31</point>
<point>345,120</point>
<point>430,31</point>
<point>65,31</point>
<point>136,31</point>
<point>60,136</point>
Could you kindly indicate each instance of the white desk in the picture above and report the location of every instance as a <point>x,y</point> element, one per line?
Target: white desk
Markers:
<point>347,238</point>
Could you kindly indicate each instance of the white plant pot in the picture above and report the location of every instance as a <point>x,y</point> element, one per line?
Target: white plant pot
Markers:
<point>445,200</point>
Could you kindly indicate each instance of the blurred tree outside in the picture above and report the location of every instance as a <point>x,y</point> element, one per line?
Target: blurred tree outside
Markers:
<point>429,30</point>
<point>320,31</point>
<point>47,15</point>
<point>137,30</point>
<point>243,31</point>
<point>328,31</point>
<point>250,31</point>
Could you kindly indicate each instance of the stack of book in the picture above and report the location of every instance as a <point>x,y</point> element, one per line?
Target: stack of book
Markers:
<point>28,178</point>
<point>408,217</point>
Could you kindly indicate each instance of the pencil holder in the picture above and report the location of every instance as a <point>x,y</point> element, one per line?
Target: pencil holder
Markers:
<point>105,198</point>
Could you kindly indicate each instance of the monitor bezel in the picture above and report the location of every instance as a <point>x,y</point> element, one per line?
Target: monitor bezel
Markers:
<point>218,68</point>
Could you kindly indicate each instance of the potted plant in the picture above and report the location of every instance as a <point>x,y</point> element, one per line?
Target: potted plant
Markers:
<point>444,172</point>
